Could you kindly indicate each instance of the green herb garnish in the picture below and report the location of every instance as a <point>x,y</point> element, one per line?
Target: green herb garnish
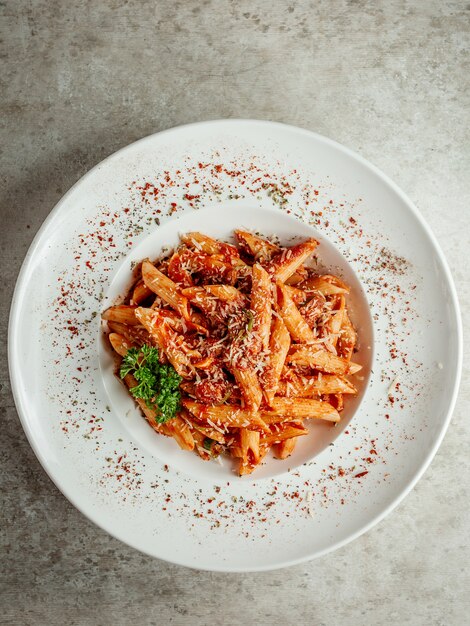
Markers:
<point>249,324</point>
<point>207,443</point>
<point>158,384</point>
<point>250,318</point>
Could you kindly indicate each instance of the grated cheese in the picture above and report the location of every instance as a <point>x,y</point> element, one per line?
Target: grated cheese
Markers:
<point>217,428</point>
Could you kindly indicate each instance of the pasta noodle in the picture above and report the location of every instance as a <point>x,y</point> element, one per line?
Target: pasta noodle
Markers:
<point>258,343</point>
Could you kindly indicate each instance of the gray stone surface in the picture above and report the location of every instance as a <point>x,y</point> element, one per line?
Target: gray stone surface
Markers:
<point>390,79</point>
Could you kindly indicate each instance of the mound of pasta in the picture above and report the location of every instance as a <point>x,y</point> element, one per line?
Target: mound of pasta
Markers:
<point>229,348</point>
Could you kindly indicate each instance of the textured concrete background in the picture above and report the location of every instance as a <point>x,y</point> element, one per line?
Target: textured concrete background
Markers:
<point>390,79</point>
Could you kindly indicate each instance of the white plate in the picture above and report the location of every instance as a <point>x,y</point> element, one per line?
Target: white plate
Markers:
<point>217,176</point>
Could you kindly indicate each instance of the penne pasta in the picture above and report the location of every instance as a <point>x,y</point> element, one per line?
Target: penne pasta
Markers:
<point>180,431</point>
<point>140,293</point>
<point>207,431</point>
<point>249,386</point>
<point>298,386</point>
<point>208,245</point>
<point>165,288</point>
<point>289,431</point>
<point>347,338</point>
<point>227,293</point>
<point>279,344</point>
<point>136,335</point>
<point>122,313</point>
<point>285,448</point>
<point>225,416</point>
<point>300,274</point>
<point>250,452</point>
<point>327,285</point>
<point>285,263</point>
<point>175,321</point>
<point>334,324</point>
<point>260,249</point>
<point>322,360</point>
<point>199,297</point>
<point>283,409</point>
<point>295,323</point>
<point>120,344</point>
<point>298,296</point>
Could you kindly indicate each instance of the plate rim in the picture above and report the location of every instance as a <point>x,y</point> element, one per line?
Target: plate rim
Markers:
<point>13,331</point>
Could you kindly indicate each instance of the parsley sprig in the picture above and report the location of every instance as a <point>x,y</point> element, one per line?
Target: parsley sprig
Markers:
<point>158,384</point>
